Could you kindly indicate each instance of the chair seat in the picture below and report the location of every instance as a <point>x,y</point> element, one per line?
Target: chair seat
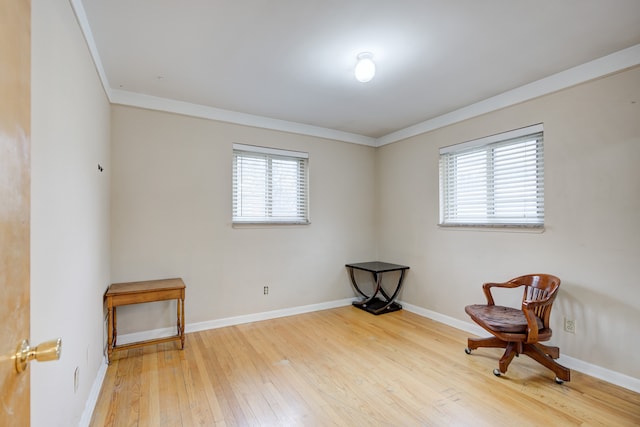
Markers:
<point>499,318</point>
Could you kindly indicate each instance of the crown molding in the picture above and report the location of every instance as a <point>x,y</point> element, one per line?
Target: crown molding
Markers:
<point>202,111</point>
<point>117,96</point>
<point>597,68</point>
<point>83,22</point>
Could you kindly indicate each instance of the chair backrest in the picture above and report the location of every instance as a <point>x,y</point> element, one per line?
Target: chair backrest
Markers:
<point>539,287</point>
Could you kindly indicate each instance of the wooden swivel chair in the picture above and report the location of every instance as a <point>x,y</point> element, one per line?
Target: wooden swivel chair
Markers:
<point>520,331</point>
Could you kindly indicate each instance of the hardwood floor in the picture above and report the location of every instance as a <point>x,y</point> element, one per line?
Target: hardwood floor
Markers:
<point>345,367</point>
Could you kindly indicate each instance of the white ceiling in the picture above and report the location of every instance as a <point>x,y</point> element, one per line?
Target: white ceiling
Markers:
<point>289,63</point>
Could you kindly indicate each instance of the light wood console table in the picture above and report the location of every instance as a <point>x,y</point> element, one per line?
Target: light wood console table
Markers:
<point>138,292</point>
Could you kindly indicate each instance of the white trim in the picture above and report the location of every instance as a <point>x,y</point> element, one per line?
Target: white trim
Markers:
<point>256,317</point>
<point>596,371</point>
<point>92,400</point>
<point>202,111</point>
<point>599,372</point>
<point>232,321</point>
<point>271,151</point>
<point>600,67</point>
<point>480,142</point>
<point>613,377</point>
<point>471,328</point>
<point>83,21</point>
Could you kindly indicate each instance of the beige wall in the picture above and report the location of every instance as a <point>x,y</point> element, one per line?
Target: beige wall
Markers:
<point>171,216</point>
<point>592,204</point>
<point>70,213</point>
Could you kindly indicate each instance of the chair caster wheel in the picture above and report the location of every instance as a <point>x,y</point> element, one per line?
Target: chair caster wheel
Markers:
<point>467,350</point>
<point>497,372</point>
<point>559,381</point>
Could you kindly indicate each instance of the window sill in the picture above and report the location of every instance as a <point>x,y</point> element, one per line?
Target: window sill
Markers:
<point>504,228</point>
<point>264,224</point>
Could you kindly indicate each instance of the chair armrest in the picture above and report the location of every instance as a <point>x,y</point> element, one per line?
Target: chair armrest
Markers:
<point>486,288</point>
<point>530,308</point>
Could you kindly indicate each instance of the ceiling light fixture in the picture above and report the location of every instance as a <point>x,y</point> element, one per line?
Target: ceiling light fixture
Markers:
<point>365,67</point>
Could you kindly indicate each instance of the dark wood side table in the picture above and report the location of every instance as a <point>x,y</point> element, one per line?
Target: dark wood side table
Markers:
<point>372,303</point>
<point>138,292</point>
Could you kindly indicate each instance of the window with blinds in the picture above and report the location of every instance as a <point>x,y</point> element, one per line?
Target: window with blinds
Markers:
<point>496,181</point>
<point>270,185</point>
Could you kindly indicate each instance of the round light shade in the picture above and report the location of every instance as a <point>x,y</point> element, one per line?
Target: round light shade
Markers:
<point>365,68</point>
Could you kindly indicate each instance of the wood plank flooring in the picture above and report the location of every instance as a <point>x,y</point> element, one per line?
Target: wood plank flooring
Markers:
<point>345,367</point>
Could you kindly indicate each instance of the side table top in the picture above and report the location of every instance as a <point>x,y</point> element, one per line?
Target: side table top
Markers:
<point>377,266</point>
<point>144,286</point>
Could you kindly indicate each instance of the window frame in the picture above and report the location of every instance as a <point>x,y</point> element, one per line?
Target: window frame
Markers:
<point>268,216</point>
<point>532,215</point>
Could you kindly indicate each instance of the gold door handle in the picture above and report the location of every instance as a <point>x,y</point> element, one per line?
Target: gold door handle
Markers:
<point>49,350</point>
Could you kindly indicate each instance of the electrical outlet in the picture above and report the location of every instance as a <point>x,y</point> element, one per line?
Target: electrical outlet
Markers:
<point>266,290</point>
<point>570,325</point>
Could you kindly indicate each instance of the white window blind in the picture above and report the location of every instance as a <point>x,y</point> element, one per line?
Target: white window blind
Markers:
<point>269,185</point>
<point>494,181</point>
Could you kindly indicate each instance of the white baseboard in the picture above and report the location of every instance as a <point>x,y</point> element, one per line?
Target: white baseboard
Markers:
<point>231,321</point>
<point>608,375</point>
<point>92,400</point>
<point>256,317</point>
<point>472,328</point>
<point>599,372</point>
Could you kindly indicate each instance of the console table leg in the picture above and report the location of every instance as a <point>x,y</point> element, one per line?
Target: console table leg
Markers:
<point>355,285</point>
<point>115,326</point>
<point>380,288</point>
<point>181,321</point>
<point>377,279</point>
<point>391,301</point>
<point>398,287</point>
<point>109,334</point>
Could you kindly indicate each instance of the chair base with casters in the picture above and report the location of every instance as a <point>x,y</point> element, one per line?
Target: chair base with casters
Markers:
<point>520,331</point>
